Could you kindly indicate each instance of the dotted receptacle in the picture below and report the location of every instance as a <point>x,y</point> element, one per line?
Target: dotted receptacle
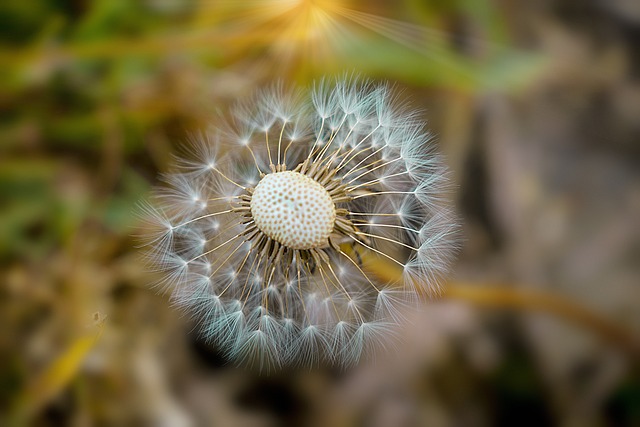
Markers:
<point>293,209</point>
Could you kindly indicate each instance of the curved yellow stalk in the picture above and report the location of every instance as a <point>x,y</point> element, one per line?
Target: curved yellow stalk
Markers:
<point>505,296</point>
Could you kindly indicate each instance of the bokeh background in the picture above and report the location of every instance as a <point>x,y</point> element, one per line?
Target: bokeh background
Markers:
<point>535,104</point>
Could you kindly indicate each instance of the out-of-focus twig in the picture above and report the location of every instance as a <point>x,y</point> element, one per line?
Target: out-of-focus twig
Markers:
<point>505,296</point>
<point>54,378</point>
<point>537,300</point>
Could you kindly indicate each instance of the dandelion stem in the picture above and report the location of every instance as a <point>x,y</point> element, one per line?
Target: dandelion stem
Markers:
<point>374,181</point>
<point>333,136</point>
<point>284,123</point>
<point>375,236</point>
<point>332,157</point>
<point>202,217</point>
<point>374,169</point>
<point>379,193</point>
<point>508,297</point>
<point>537,300</point>
<point>347,159</point>
<point>253,156</point>
<point>357,167</point>
<point>214,249</point>
<point>228,179</point>
<point>266,140</point>
<point>373,224</point>
<point>361,271</point>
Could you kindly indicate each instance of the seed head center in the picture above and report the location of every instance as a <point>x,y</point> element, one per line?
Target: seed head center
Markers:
<point>293,209</point>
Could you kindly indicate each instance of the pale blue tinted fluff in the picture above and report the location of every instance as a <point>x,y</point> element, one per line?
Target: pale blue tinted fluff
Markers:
<point>269,305</point>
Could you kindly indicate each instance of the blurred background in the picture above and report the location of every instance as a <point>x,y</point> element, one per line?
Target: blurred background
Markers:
<point>536,105</point>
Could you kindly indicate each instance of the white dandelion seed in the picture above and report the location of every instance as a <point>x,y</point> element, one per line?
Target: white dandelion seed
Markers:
<point>261,232</point>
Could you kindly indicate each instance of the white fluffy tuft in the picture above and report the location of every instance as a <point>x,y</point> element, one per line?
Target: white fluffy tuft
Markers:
<point>261,292</point>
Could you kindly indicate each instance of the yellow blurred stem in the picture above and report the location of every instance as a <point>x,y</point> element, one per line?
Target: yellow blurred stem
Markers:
<point>53,380</point>
<point>536,300</point>
<point>149,46</point>
<point>504,296</point>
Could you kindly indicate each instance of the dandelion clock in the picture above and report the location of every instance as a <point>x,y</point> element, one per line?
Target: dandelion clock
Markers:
<point>268,227</point>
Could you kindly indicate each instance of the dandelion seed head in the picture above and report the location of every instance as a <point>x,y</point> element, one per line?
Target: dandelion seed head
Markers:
<point>262,231</point>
